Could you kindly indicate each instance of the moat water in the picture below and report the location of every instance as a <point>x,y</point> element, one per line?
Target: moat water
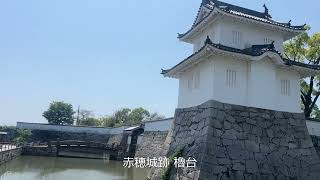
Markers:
<point>51,168</point>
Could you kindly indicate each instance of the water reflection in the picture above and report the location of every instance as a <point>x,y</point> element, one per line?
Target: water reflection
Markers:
<point>51,168</point>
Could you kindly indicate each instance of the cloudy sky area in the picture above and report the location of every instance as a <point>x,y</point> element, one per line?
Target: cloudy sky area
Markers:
<point>102,55</point>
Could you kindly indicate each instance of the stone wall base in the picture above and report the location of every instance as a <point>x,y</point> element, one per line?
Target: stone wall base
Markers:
<point>233,142</point>
<point>6,156</point>
<point>39,151</point>
<point>152,144</point>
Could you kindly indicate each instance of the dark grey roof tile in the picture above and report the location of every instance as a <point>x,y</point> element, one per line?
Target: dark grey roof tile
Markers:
<point>242,12</point>
<point>254,50</point>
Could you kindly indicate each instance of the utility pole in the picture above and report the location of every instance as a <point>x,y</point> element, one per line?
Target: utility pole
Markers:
<point>78,116</point>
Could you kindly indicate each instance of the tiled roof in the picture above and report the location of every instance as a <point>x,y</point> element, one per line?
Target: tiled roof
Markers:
<point>231,7</point>
<point>289,62</point>
<point>242,12</point>
<point>255,50</point>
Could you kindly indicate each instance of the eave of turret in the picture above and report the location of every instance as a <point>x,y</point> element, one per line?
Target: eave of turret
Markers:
<point>216,12</point>
<point>255,53</point>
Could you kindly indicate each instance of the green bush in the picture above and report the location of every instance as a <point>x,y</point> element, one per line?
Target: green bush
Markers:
<point>166,173</point>
<point>22,136</point>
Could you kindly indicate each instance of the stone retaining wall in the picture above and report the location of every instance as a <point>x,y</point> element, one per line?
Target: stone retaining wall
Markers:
<point>39,151</point>
<point>152,144</point>
<point>233,142</point>
<point>48,135</point>
<point>316,143</point>
<point>6,156</point>
<point>117,140</point>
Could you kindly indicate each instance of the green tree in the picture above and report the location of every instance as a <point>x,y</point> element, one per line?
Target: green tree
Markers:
<point>22,136</point>
<point>86,118</point>
<point>108,121</point>
<point>137,115</point>
<point>85,114</point>
<point>121,116</point>
<point>90,121</point>
<point>316,113</point>
<point>154,116</point>
<point>59,113</point>
<point>125,116</point>
<point>305,48</point>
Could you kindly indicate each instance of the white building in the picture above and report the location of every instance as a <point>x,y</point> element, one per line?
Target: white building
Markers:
<point>238,59</point>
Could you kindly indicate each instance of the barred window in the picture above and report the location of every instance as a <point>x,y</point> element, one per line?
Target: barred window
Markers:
<point>194,81</point>
<point>285,87</point>
<point>268,40</point>
<point>236,38</point>
<point>231,78</point>
<point>190,83</point>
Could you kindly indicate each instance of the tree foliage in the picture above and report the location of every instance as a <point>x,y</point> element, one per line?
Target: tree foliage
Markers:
<point>316,113</point>
<point>129,117</point>
<point>154,116</point>
<point>22,136</point>
<point>137,116</point>
<point>126,116</point>
<point>83,115</point>
<point>59,113</point>
<point>86,118</point>
<point>121,116</point>
<point>306,49</point>
<point>91,121</point>
<point>108,121</point>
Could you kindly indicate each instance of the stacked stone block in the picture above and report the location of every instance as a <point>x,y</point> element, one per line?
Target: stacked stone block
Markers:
<point>152,145</point>
<point>233,142</point>
<point>8,155</point>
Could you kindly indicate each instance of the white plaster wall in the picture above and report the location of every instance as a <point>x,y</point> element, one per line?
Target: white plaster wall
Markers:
<point>313,128</point>
<point>129,140</point>
<point>221,92</point>
<point>251,35</point>
<point>221,31</point>
<point>258,84</point>
<point>292,102</point>
<point>158,125</point>
<point>140,139</point>
<point>212,31</point>
<point>262,86</point>
<point>187,97</point>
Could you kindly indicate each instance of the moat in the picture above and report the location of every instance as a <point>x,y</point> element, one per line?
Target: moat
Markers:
<point>51,168</point>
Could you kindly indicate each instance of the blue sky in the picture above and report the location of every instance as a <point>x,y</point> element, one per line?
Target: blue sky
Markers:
<point>102,55</point>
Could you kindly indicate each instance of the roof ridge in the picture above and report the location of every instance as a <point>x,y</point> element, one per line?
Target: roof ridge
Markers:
<point>260,14</point>
<point>254,50</point>
<point>243,12</point>
<point>270,48</point>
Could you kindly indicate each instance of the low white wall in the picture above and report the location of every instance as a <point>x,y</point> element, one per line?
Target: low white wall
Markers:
<point>150,126</point>
<point>313,128</point>
<point>71,129</point>
<point>158,125</point>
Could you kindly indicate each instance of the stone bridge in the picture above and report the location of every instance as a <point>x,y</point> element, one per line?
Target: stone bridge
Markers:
<point>146,139</point>
<point>84,149</point>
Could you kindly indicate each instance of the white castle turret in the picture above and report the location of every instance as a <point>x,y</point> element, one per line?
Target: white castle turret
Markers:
<point>238,59</point>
